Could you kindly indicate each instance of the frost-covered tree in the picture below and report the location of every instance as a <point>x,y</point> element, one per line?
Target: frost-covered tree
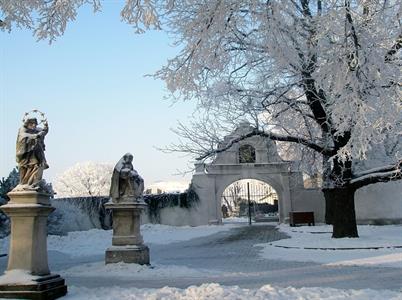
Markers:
<point>84,179</point>
<point>48,19</point>
<point>325,75</point>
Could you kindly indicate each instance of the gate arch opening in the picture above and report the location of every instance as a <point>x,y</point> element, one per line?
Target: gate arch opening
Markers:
<point>264,200</point>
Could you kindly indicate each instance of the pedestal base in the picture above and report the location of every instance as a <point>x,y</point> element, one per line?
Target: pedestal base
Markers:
<point>127,254</point>
<point>43,288</point>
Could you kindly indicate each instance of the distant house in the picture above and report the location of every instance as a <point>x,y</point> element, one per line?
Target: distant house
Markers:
<point>161,187</point>
<point>153,191</point>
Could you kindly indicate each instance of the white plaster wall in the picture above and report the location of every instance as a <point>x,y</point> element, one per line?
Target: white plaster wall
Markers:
<point>144,217</point>
<point>376,204</point>
<point>379,203</point>
<point>206,209</point>
<point>177,216</point>
<point>310,200</point>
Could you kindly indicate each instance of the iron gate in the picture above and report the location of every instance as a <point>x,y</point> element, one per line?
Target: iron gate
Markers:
<point>249,197</point>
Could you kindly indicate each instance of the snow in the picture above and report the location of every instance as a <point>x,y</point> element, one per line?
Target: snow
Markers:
<point>95,241</point>
<point>376,169</point>
<point>122,270</point>
<point>376,246</point>
<point>169,186</point>
<point>314,238</point>
<point>85,179</point>
<point>216,291</point>
<point>231,220</point>
<point>388,174</point>
<point>23,205</point>
<point>17,277</point>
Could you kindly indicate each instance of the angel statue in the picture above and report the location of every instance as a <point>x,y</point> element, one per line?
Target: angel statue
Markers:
<point>127,185</point>
<point>30,153</point>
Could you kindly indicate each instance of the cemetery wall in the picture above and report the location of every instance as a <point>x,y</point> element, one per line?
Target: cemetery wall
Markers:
<point>84,213</point>
<point>380,203</point>
<point>309,200</point>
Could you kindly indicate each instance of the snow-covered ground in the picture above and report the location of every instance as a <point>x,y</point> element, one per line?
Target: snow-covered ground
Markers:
<point>133,271</point>
<point>95,241</point>
<point>17,276</point>
<point>215,291</point>
<point>232,220</point>
<point>376,246</point>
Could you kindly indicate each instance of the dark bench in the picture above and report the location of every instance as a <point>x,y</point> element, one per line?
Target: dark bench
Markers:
<point>301,217</point>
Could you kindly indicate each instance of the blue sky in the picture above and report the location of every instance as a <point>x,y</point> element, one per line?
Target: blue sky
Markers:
<point>91,85</point>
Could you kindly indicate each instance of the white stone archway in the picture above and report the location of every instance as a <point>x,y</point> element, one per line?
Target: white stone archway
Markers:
<point>264,164</point>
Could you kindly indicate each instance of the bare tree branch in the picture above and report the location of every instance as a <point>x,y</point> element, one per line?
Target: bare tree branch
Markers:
<point>272,136</point>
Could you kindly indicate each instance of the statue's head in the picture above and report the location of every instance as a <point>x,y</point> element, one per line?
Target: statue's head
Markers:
<point>128,158</point>
<point>31,123</point>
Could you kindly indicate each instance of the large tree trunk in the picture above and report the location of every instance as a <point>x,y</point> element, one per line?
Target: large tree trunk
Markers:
<point>329,206</point>
<point>326,179</point>
<point>342,213</point>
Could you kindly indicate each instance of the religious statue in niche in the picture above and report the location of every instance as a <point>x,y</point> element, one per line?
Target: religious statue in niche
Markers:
<point>127,185</point>
<point>30,152</point>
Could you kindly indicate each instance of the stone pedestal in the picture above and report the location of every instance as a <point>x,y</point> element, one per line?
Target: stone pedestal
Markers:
<point>28,212</point>
<point>127,243</point>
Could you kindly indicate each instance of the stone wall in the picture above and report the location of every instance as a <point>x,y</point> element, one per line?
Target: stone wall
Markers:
<point>309,200</point>
<point>79,214</point>
<point>84,213</point>
<point>375,204</point>
<point>177,216</point>
<point>380,203</point>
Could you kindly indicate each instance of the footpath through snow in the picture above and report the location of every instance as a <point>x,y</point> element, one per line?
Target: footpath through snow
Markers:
<point>118,280</point>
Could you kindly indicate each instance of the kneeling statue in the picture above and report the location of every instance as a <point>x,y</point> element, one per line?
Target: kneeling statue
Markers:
<point>127,185</point>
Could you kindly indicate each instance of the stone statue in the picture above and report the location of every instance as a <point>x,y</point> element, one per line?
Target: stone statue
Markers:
<point>28,275</point>
<point>30,154</point>
<point>127,205</point>
<point>127,185</point>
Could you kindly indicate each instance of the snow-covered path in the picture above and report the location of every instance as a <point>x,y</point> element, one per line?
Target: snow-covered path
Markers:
<point>231,259</point>
<point>228,257</point>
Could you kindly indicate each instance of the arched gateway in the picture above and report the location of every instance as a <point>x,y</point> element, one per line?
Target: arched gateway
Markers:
<point>252,158</point>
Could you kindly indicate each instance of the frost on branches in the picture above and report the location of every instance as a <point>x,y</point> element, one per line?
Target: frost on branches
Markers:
<point>322,75</point>
<point>88,179</point>
<point>48,19</point>
<point>325,75</point>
